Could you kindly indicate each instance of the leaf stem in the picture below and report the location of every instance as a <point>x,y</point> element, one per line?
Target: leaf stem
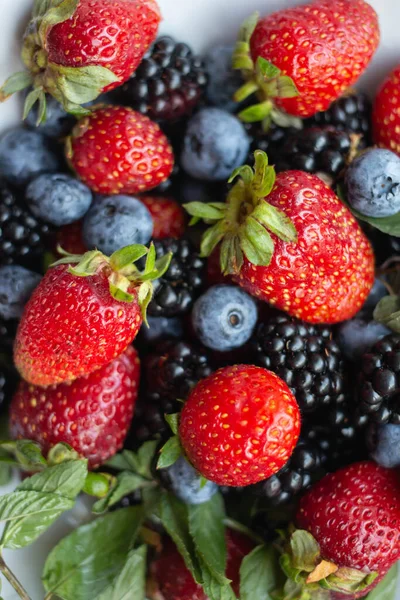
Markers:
<point>9,575</point>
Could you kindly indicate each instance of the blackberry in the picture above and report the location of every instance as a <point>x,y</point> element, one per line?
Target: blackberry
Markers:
<point>8,330</point>
<point>350,113</point>
<point>306,357</point>
<point>378,387</point>
<point>176,291</point>
<point>132,499</point>
<point>22,235</point>
<point>269,141</point>
<point>168,84</point>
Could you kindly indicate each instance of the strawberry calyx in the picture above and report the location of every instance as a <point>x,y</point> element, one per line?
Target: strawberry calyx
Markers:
<point>122,273</point>
<point>309,576</point>
<point>263,79</point>
<point>242,223</point>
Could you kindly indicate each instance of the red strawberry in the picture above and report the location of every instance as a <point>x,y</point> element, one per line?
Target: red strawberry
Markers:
<point>239,425</point>
<point>91,414</point>
<point>173,579</point>
<point>76,54</point>
<point>82,316</point>
<point>305,57</point>
<point>119,151</point>
<point>317,265</point>
<point>386,113</point>
<point>69,238</point>
<point>168,216</point>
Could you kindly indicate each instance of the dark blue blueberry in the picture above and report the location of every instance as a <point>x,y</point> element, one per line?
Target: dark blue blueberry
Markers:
<point>223,81</point>
<point>185,482</point>
<point>58,123</point>
<point>355,337</point>
<point>373,183</point>
<point>215,144</point>
<point>25,154</point>
<point>161,328</point>
<point>58,199</point>
<point>16,287</point>
<point>224,317</point>
<point>384,444</point>
<point>116,221</point>
<point>378,292</point>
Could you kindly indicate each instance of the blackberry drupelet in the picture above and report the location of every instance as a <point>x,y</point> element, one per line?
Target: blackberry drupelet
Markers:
<point>22,235</point>
<point>379,383</point>
<point>269,141</point>
<point>168,84</point>
<point>176,291</point>
<point>349,113</point>
<point>306,357</point>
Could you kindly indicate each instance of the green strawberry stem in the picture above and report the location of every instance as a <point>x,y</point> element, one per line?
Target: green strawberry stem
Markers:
<point>242,225</point>
<point>9,575</point>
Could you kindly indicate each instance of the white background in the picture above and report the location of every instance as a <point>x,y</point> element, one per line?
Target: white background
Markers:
<point>201,23</point>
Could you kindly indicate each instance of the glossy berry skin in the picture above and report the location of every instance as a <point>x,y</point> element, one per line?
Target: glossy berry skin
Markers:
<point>91,414</point>
<point>324,46</point>
<point>71,327</point>
<point>355,337</point>
<point>16,286</point>
<point>118,151</point>
<point>185,483</point>
<point>169,219</point>
<point>384,444</point>
<point>107,33</point>
<point>324,277</point>
<point>351,112</point>
<point>354,514</point>
<point>386,113</point>
<point>240,425</point>
<point>223,81</point>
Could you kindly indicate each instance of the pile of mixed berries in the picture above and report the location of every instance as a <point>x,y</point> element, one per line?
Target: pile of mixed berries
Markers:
<point>236,218</point>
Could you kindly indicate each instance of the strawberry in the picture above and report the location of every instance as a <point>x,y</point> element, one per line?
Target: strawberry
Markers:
<point>116,150</point>
<point>77,50</point>
<point>316,264</point>
<point>301,59</point>
<point>82,316</point>
<point>70,239</point>
<point>386,113</point>
<point>173,579</point>
<point>168,216</point>
<point>92,414</point>
<point>239,425</point>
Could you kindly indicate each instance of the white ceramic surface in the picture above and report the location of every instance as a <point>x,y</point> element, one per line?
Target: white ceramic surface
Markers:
<point>201,23</point>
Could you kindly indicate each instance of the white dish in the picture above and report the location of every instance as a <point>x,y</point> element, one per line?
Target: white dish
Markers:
<point>201,23</point>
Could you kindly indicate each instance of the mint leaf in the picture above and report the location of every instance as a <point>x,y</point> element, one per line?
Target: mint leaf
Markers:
<point>387,588</point>
<point>170,453</point>
<point>139,462</point>
<point>127,483</point>
<point>305,550</point>
<point>38,501</point>
<point>213,587</point>
<point>85,562</point>
<point>260,574</point>
<point>29,454</point>
<point>130,583</point>
<point>387,312</point>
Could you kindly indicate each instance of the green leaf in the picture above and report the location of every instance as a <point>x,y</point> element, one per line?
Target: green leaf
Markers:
<point>387,588</point>
<point>248,88</point>
<point>15,83</point>
<point>29,454</point>
<point>42,110</point>
<point>276,221</point>
<point>145,295</point>
<point>231,255</point>
<point>282,87</point>
<point>151,259</point>
<point>387,312</point>
<point>256,242</point>
<point>31,100</point>
<point>212,237</point>
<point>257,112</point>
<point>175,520</point>
<point>213,211</point>
<point>170,453</point>
<point>60,453</point>
<point>59,13</point>
<point>213,587</point>
<point>389,225</point>
<point>248,26</point>
<point>173,422</point>
<point>245,172</point>
<point>119,294</point>
<point>126,256</point>
<point>126,483</point>
<point>139,463</point>
<point>305,550</point>
<point>260,574</point>
<point>130,583</point>
<point>85,562</point>
<point>266,69</point>
<point>38,501</point>
<point>284,120</point>
<point>80,85</point>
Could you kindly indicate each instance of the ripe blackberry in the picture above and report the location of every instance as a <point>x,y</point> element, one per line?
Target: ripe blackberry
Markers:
<point>350,113</point>
<point>269,141</point>
<point>22,235</point>
<point>378,387</point>
<point>168,84</point>
<point>305,356</point>
<point>175,292</point>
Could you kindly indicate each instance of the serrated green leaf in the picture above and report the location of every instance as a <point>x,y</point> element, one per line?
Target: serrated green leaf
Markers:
<point>387,312</point>
<point>170,453</point>
<point>126,256</point>
<point>276,221</point>
<point>305,550</point>
<point>131,582</point>
<point>387,588</point>
<point>139,463</point>
<point>79,85</point>
<point>126,484</point>
<point>257,112</point>
<point>266,69</point>
<point>213,211</point>
<point>212,586</point>
<point>85,562</point>
<point>173,422</point>
<point>256,242</point>
<point>15,83</point>
<point>260,574</point>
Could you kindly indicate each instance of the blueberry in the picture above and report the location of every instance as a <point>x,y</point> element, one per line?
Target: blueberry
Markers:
<point>355,337</point>
<point>223,80</point>
<point>58,123</point>
<point>58,199</point>
<point>378,292</point>
<point>116,221</point>
<point>184,481</point>
<point>160,328</point>
<point>25,154</point>
<point>384,444</point>
<point>224,317</point>
<point>373,183</point>
<point>215,144</point>
<point>16,287</point>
